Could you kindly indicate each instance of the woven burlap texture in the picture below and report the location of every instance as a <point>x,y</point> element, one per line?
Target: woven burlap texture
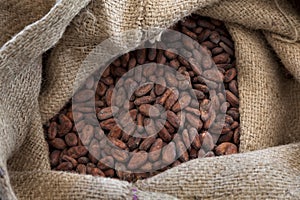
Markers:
<point>266,37</point>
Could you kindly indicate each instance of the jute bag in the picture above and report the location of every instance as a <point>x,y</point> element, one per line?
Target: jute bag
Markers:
<point>266,36</point>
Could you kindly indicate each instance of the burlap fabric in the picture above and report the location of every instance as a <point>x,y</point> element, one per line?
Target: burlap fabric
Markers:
<point>266,36</point>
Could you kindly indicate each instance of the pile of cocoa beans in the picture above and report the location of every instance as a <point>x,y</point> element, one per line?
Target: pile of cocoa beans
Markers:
<point>112,150</point>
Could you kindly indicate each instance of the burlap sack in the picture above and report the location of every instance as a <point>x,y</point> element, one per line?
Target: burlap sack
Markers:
<point>266,36</point>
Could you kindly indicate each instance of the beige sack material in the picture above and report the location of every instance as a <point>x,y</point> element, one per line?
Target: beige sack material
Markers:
<point>266,35</point>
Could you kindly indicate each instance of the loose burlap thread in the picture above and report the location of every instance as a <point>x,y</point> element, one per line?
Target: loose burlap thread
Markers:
<point>265,40</point>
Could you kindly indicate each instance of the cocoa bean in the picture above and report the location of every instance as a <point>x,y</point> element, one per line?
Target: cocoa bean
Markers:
<point>71,139</point>
<point>226,148</point>
<point>52,130</point>
<point>144,100</point>
<point>77,151</point>
<point>65,125</point>
<point>54,158</point>
<point>173,119</point>
<point>106,162</point>
<point>137,160</point>
<point>143,90</point>
<point>107,112</point>
<point>232,99</point>
<point>64,166</point>
<point>87,134</point>
<point>155,150</point>
<point>146,144</point>
<point>81,169</point>
<point>58,143</point>
<point>169,153</point>
<point>83,95</point>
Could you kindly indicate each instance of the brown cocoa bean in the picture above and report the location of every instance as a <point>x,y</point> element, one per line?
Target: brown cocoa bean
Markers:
<point>215,37</point>
<point>208,44</point>
<point>124,59</point>
<point>109,173</point>
<point>81,169</point>
<point>234,113</point>
<point>120,155</point>
<point>234,125</point>
<point>232,99</point>
<point>115,132</point>
<point>189,33</point>
<point>54,158</point>
<point>170,53</point>
<point>151,54</point>
<point>172,98</point>
<point>189,23</point>
<point>203,35</point>
<point>165,135</point>
<point>83,160</point>
<point>236,136</point>
<point>169,153</point>
<point>87,134</point>
<point>108,124</point>
<point>106,162</point>
<point>233,87</point>
<point>108,80</point>
<point>221,58</point>
<point>171,79</point>
<point>101,89</point>
<point>137,160</point>
<point>143,90</point>
<point>146,144</point>
<point>226,148</point>
<point>108,95</point>
<point>194,121</point>
<point>149,110</point>
<point>216,51</point>
<point>155,150</point>
<point>226,48</point>
<point>133,143</point>
<point>174,63</point>
<point>207,141</point>
<point>225,137</point>
<point>64,166</point>
<point>69,159</point>
<point>160,59</point>
<point>182,151</point>
<point>77,151</point>
<point>193,153</point>
<point>83,95</point>
<point>97,172</point>
<point>107,112</point>
<point>229,75</point>
<point>173,119</point>
<point>176,107</point>
<point>143,100</point>
<point>169,127</point>
<point>226,41</point>
<point>58,143</point>
<point>65,125</point>
<point>118,143</point>
<point>71,139</point>
<point>184,101</point>
<point>213,75</point>
<point>52,130</point>
<point>195,138</point>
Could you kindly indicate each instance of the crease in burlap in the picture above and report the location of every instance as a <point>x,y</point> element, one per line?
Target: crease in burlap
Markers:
<point>269,102</point>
